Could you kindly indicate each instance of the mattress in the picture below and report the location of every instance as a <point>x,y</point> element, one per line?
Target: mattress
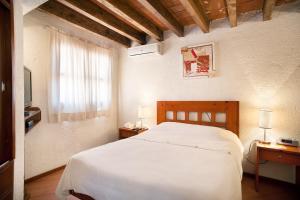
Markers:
<point>171,161</point>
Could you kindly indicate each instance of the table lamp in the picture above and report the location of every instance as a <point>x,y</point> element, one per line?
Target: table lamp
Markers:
<point>143,112</point>
<point>265,118</point>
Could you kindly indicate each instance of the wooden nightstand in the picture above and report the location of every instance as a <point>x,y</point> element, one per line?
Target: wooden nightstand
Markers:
<point>126,132</point>
<point>278,153</point>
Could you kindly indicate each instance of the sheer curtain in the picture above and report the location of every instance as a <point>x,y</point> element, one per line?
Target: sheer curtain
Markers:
<point>79,79</point>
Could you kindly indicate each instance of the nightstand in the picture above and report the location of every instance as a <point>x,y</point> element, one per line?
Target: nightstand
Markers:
<point>278,153</point>
<point>126,132</point>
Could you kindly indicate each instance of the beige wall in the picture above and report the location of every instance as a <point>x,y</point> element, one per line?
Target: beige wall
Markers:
<point>49,145</point>
<point>258,64</point>
<point>18,102</point>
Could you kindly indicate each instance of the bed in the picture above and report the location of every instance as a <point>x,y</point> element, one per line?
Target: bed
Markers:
<point>183,157</point>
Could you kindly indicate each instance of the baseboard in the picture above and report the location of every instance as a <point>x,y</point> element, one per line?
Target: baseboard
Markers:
<point>44,174</point>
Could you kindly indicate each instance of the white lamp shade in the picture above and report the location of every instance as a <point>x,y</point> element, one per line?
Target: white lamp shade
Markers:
<point>265,119</point>
<point>144,112</point>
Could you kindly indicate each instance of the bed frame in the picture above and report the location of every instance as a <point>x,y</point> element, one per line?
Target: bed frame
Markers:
<point>210,108</point>
<point>80,196</point>
<point>213,109</point>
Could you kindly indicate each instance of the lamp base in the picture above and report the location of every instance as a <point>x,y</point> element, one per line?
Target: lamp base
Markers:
<point>264,142</point>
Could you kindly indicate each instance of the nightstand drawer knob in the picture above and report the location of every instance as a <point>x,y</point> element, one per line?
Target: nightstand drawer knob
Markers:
<point>279,156</point>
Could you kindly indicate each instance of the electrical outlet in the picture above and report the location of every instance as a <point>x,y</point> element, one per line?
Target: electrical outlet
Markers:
<point>2,86</point>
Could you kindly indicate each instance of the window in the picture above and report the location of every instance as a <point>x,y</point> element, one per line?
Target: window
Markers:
<point>80,79</point>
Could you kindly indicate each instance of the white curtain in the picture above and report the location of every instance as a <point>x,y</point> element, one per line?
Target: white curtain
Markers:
<point>79,79</point>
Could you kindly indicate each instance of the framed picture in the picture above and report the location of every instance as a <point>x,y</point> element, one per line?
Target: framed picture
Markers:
<point>198,61</point>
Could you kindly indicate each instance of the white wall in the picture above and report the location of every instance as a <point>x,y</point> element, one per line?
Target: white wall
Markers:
<point>18,86</point>
<point>258,64</point>
<point>49,145</point>
<point>29,5</point>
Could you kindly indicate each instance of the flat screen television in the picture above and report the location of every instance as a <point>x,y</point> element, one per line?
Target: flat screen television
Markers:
<point>27,87</point>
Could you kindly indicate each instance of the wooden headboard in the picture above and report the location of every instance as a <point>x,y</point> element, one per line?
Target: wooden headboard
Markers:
<point>229,110</point>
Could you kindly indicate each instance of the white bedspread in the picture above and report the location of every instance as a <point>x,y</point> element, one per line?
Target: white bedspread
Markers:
<point>172,161</point>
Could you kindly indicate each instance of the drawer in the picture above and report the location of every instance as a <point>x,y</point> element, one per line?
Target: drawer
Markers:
<point>6,183</point>
<point>279,156</point>
<point>125,134</point>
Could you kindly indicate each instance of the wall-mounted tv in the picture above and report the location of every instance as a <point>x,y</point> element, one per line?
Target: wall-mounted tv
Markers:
<point>27,87</point>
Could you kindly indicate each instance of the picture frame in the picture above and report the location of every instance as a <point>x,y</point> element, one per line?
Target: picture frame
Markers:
<point>198,60</point>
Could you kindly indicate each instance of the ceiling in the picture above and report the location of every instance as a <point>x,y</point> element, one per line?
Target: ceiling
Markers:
<point>125,21</point>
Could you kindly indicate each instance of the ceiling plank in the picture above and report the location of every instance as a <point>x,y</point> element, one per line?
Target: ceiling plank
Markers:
<point>103,17</point>
<point>197,13</point>
<point>231,9</point>
<point>267,9</point>
<point>62,11</point>
<point>121,7</point>
<point>163,14</point>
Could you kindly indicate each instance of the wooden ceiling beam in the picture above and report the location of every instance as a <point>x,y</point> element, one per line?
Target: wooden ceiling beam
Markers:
<point>103,17</point>
<point>64,12</point>
<point>197,13</point>
<point>267,9</point>
<point>231,9</point>
<point>123,9</point>
<point>163,14</point>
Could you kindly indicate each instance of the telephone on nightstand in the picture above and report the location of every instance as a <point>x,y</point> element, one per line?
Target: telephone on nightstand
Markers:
<point>129,125</point>
<point>288,141</point>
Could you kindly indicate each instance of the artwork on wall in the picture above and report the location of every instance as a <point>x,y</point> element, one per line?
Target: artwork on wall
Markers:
<point>198,61</point>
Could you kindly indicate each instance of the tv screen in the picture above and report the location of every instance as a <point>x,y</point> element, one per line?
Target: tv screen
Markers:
<point>27,87</point>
